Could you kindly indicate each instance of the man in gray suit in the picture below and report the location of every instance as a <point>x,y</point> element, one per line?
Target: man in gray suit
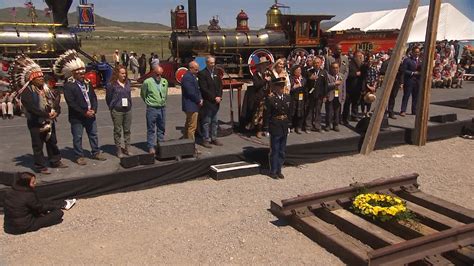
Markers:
<point>339,58</point>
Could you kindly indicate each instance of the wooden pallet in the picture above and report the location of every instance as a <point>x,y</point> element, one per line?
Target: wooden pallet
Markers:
<point>444,234</point>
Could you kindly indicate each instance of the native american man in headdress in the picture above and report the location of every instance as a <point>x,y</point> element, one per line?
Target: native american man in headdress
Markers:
<point>41,106</point>
<point>82,102</point>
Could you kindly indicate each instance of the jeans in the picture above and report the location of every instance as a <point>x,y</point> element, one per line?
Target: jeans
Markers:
<point>38,140</point>
<point>407,91</point>
<point>190,125</point>
<point>277,152</point>
<point>209,125</point>
<point>122,122</point>
<point>77,129</point>
<point>155,118</point>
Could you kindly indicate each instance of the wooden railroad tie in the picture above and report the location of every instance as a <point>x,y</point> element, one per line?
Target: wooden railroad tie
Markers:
<point>442,235</point>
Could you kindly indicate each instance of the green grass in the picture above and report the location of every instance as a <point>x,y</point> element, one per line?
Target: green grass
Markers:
<point>107,47</point>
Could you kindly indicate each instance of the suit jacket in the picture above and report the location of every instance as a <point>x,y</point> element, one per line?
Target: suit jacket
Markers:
<point>320,87</point>
<point>35,114</point>
<point>409,67</point>
<point>354,83</point>
<point>191,95</point>
<point>274,106</point>
<point>76,103</point>
<point>343,64</point>
<point>332,88</point>
<point>211,87</point>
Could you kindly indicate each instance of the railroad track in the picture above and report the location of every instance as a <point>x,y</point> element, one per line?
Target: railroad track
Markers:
<point>443,234</point>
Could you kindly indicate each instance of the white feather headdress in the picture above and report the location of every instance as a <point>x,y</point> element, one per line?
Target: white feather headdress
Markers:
<point>67,63</point>
<point>22,71</point>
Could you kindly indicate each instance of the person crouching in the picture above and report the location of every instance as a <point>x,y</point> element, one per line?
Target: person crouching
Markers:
<point>25,212</point>
<point>276,120</point>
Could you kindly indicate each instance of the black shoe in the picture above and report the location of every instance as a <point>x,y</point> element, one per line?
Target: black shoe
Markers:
<point>59,165</point>
<point>326,129</point>
<point>336,128</point>
<point>392,116</point>
<point>273,176</point>
<point>297,131</point>
<point>281,176</point>
<point>206,144</point>
<point>44,171</point>
<point>217,142</point>
<point>315,129</point>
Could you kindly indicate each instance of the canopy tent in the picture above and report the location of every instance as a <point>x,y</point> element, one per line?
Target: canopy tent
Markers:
<point>453,25</point>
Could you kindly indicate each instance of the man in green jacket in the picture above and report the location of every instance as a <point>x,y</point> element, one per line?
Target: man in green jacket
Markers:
<point>154,92</point>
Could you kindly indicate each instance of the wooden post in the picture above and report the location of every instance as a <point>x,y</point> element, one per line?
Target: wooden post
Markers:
<point>382,101</point>
<point>423,105</point>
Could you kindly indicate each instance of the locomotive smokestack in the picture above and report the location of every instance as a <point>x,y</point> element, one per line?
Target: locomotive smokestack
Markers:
<point>192,15</point>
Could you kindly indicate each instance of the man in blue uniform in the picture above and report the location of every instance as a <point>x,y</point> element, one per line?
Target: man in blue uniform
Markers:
<point>276,120</point>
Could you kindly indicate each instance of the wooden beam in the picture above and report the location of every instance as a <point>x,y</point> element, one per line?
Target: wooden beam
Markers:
<point>423,105</point>
<point>381,104</point>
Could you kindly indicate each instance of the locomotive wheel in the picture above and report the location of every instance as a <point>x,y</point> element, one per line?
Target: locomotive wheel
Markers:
<point>254,59</point>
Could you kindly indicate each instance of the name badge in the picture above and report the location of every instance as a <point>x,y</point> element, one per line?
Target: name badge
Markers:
<point>336,93</point>
<point>124,102</point>
<point>300,96</point>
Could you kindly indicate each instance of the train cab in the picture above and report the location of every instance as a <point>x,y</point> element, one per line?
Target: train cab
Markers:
<point>304,30</point>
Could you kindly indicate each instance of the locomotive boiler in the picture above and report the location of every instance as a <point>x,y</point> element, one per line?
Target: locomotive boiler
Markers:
<point>41,40</point>
<point>238,50</point>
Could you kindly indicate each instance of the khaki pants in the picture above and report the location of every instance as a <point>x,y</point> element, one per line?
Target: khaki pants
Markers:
<point>190,125</point>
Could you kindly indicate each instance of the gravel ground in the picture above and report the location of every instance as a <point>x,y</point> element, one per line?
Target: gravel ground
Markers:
<point>227,222</point>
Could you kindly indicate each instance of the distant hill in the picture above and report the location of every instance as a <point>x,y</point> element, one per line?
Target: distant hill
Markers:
<point>22,15</point>
<point>326,25</point>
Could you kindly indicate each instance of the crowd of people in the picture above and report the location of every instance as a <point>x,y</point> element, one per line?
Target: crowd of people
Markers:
<point>286,96</point>
<point>137,65</point>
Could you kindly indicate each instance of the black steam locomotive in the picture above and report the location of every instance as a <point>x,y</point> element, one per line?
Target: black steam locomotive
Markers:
<point>238,50</point>
<point>43,42</point>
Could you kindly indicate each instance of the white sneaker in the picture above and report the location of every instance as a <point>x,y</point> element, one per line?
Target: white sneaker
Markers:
<point>69,204</point>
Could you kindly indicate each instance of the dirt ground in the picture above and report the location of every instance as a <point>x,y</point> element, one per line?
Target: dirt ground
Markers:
<point>227,222</point>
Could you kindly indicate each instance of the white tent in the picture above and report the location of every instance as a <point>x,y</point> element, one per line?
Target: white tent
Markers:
<point>453,25</point>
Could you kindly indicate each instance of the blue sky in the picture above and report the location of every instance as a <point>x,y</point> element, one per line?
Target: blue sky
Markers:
<point>158,10</point>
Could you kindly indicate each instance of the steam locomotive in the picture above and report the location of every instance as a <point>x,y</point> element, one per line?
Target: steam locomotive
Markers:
<point>237,50</point>
<point>44,42</point>
<point>284,35</point>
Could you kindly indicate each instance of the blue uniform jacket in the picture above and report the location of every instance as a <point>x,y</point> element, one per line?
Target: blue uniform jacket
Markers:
<point>191,95</point>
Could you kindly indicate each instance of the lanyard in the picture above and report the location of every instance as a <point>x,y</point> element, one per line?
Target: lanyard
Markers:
<point>85,94</point>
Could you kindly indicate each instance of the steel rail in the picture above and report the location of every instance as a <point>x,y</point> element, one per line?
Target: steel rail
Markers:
<point>339,193</point>
<point>421,247</point>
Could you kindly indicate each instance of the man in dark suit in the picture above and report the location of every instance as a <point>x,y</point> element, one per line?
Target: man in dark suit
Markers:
<point>316,93</point>
<point>335,97</point>
<point>191,99</point>
<point>396,85</point>
<point>411,68</point>
<point>82,103</point>
<point>354,84</point>
<point>211,90</point>
<point>339,58</point>
<point>276,120</point>
<point>125,58</point>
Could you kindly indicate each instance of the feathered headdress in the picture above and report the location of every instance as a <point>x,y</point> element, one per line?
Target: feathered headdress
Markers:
<point>67,63</point>
<point>22,71</point>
